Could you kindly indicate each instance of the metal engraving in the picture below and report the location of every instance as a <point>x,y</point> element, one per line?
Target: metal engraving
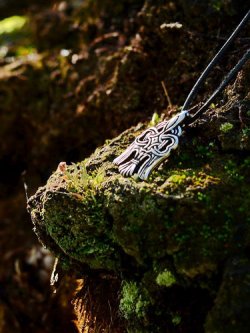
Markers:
<point>151,147</point>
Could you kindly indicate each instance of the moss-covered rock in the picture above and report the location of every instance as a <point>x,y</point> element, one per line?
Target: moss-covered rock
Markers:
<point>166,239</point>
<point>77,73</point>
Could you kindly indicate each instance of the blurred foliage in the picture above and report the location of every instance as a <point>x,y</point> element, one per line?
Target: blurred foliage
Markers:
<point>15,37</point>
<point>12,24</point>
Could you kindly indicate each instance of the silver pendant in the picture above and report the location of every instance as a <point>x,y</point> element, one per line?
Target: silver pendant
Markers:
<point>151,147</point>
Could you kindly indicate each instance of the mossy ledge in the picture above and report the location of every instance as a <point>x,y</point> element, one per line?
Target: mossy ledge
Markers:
<point>179,243</point>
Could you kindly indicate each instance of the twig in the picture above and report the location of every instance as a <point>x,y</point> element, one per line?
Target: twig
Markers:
<point>166,93</point>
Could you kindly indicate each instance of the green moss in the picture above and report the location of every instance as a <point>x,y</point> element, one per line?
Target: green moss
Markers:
<point>78,179</point>
<point>90,237</point>
<point>188,179</point>
<point>204,151</point>
<point>245,133</point>
<point>176,319</point>
<point>134,301</point>
<point>185,219</point>
<point>233,170</point>
<point>177,178</point>
<point>217,5</point>
<point>95,251</point>
<point>165,278</point>
<point>85,216</point>
<point>226,127</point>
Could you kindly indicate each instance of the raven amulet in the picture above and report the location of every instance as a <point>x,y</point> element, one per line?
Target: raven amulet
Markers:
<point>151,147</point>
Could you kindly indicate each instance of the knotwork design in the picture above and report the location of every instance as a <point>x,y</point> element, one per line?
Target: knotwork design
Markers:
<point>155,144</point>
<point>151,147</point>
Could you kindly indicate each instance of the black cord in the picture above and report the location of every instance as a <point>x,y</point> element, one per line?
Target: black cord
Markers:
<point>223,84</point>
<point>211,65</point>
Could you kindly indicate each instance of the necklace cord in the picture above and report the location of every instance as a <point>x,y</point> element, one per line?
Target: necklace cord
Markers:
<point>223,84</point>
<point>211,65</point>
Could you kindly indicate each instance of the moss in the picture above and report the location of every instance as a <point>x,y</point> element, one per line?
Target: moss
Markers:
<point>245,133</point>
<point>176,319</point>
<point>233,170</point>
<point>184,216</point>
<point>104,203</point>
<point>188,217</point>
<point>94,194</point>
<point>246,130</point>
<point>189,180</point>
<point>134,301</point>
<point>177,178</point>
<point>226,127</point>
<point>165,278</point>
<point>78,180</point>
<point>205,151</point>
<point>97,251</point>
<point>217,5</point>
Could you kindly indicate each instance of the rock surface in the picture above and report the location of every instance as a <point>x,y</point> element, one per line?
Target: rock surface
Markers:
<point>179,243</point>
<point>73,74</point>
